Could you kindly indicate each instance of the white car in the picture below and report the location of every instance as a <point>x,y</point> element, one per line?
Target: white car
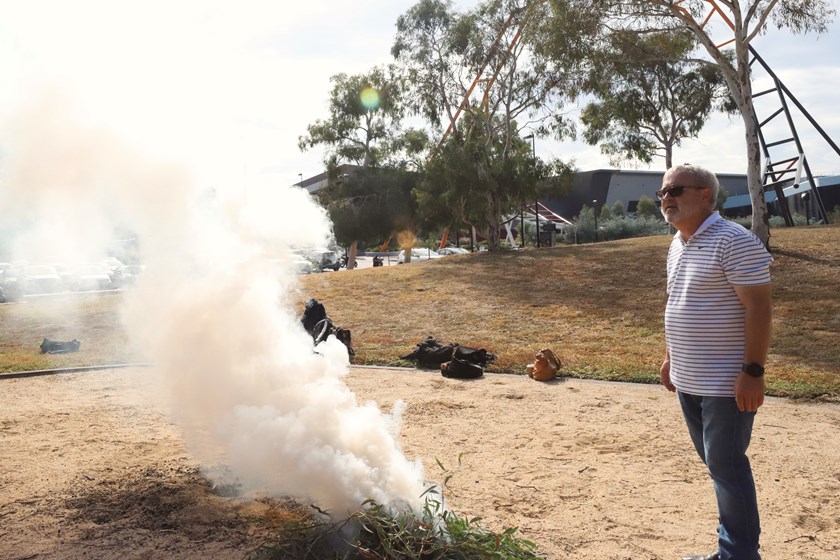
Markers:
<point>112,263</point>
<point>89,277</point>
<point>301,264</point>
<point>418,255</point>
<point>453,251</point>
<point>41,279</point>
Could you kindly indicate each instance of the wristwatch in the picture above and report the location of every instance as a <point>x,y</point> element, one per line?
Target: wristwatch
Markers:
<point>753,369</point>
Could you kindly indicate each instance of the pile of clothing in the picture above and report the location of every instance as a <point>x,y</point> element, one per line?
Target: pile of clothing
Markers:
<point>454,360</point>
<point>59,347</point>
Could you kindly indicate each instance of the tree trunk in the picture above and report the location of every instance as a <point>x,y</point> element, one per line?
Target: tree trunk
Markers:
<point>351,256</point>
<point>737,77</point>
<point>669,156</point>
<point>760,217</point>
<point>493,222</point>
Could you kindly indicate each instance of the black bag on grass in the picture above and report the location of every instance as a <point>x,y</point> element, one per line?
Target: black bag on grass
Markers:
<point>431,353</point>
<point>461,369</point>
<point>312,315</point>
<point>325,328</point>
<point>478,356</point>
<point>436,355</point>
<point>316,322</point>
<point>59,347</point>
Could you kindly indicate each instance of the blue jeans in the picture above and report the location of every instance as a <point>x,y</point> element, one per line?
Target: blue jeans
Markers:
<point>721,434</point>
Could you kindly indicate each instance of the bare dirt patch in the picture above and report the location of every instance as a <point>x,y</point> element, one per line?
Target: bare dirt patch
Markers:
<point>91,468</point>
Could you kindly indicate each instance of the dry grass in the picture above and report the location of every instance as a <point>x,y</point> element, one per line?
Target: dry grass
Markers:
<point>598,306</point>
<point>510,303</point>
<point>93,319</point>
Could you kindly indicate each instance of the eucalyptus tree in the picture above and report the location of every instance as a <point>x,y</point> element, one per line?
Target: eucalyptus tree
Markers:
<point>370,204</point>
<point>648,98</point>
<point>747,18</point>
<point>364,127</point>
<point>469,182</point>
<point>482,170</point>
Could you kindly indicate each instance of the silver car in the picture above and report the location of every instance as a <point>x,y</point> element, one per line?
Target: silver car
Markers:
<point>418,255</point>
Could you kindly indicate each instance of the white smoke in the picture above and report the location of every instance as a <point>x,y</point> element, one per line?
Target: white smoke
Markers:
<point>244,372</point>
<point>214,310</point>
<point>162,120</point>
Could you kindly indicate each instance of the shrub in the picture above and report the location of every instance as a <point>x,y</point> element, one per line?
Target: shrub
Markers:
<point>775,221</point>
<point>623,228</point>
<point>584,227</point>
<point>619,227</point>
<point>646,208</point>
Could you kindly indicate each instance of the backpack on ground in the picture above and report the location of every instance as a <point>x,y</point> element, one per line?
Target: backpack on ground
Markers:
<point>318,324</point>
<point>461,369</point>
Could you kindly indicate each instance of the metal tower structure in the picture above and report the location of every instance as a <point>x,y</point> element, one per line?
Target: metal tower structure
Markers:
<point>777,174</point>
<point>787,170</point>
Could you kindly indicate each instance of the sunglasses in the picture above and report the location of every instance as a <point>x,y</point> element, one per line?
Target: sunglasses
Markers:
<point>676,191</point>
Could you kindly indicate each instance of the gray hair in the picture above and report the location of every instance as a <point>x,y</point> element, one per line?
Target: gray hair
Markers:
<point>704,177</point>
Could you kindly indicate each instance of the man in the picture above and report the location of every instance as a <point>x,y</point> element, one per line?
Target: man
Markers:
<point>717,331</point>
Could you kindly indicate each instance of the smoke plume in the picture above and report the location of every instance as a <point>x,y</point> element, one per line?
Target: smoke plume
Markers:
<point>214,310</point>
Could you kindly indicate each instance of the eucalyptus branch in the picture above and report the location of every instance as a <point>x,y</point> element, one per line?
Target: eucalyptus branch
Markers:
<point>762,20</point>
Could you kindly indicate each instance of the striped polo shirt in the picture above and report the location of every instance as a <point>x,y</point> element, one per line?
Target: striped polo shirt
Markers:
<point>704,319</point>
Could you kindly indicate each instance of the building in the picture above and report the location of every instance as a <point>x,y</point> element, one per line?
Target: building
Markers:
<point>317,182</point>
<point>608,186</point>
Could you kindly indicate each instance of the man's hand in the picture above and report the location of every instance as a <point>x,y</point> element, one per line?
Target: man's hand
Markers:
<point>665,375</point>
<point>749,392</point>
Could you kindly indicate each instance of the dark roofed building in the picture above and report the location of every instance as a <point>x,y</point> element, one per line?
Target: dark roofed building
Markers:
<point>608,186</point>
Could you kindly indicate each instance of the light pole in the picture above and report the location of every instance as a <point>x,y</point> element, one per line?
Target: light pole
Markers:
<point>537,199</point>
<point>595,210</point>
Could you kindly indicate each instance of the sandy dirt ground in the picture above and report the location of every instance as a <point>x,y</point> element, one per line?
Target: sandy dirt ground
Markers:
<point>89,468</point>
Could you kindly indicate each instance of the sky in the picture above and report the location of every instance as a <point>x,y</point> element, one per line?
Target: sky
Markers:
<point>226,88</point>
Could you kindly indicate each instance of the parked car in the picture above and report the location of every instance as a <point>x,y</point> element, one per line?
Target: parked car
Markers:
<point>112,263</point>
<point>302,264</point>
<point>324,259</point>
<point>87,277</point>
<point>4,296</point>
<point>452,251</point>
<point>12,280</point>
<point>418,255</point>
<point>126,275</point>
<point>41,279</point>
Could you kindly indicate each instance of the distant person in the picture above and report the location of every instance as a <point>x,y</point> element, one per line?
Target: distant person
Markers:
<point>717,331</point>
